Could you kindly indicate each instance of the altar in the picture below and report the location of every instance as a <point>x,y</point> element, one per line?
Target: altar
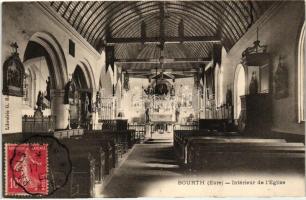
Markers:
<point>157,117</point>
<point>160,106</point>
<point>162,121</point>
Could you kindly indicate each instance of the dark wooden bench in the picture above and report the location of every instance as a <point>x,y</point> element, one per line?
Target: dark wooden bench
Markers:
<point>107,142</point>
<point>100,151</point>
<point>181,138</point>
<point>188,142</point>
<point>213,124</point>
<point>124,140</point>
<point>202,153</point>
<point>81,180</point>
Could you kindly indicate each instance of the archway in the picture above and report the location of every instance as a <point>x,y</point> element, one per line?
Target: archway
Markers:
<point>80,99</point>
<point>43,46</point>
<point>239,89</point>
<point>37,74</point>
<point>86,68</point>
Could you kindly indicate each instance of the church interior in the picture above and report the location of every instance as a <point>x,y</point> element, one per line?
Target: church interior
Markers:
<point>151,97</point>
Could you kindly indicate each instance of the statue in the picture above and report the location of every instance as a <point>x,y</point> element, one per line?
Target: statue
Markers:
<point>147,116</point>
<point>86,105</point>
<point>281,81</point>
<point>177,114</point>
<point>126,84</point>
<point>48,96</point>
<point>67,89</point>
<point>40,101</point>
<point>172,91</point>
<point>98,100</point>
<point>253,88</point>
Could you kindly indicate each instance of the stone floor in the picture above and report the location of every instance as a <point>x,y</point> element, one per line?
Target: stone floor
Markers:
<point>152,171</point>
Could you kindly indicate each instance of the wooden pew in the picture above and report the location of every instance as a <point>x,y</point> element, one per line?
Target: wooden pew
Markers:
<point>202,140</point>
<point>102,149</point>
<point>180,139</point>
<point>241,151</point>
<point>124,140</point>
<point>107,142</point>
<point>99,152</point>
<point>82,177</point>
<point>213,124</point>
<point>81,180</point>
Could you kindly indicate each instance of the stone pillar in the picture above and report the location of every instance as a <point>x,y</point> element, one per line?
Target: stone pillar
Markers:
<point>59,110</point>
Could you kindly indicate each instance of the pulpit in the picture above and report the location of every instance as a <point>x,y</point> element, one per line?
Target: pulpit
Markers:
<point>256,106</point>
<point>256,113</point>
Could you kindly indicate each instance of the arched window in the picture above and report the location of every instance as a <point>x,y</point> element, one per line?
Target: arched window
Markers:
<point>301,71</point>
<point>239,89</point>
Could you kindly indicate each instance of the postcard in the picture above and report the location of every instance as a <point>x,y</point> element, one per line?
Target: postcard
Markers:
<point>128,99</point>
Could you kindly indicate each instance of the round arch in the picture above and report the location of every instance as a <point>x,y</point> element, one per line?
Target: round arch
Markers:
<point>88,73</point>
<point>239,88</point>
<point>56,56</point>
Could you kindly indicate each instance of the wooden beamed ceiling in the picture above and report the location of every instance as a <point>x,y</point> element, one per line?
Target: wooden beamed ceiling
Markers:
<point>185,29</point>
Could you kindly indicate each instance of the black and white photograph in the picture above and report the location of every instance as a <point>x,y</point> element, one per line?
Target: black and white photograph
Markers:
<point>129,99</point>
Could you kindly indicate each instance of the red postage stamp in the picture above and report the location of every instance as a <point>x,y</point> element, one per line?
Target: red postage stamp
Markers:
<point>26,169</point>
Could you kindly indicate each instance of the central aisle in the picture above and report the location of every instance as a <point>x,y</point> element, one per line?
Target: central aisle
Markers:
<point>147,165</point>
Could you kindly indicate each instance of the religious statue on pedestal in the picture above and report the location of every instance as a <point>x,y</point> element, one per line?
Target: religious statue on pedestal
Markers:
<point>177,114</point>
<point>253,88</point>
<point>48,96</point>
<point>147,115</point>
<point>40,101</point>
<point>172,91</point>
<point>281,82</point>
<point>86,105</point>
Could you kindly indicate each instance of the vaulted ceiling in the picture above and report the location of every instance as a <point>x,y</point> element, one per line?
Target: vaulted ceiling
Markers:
<point>141,23</point>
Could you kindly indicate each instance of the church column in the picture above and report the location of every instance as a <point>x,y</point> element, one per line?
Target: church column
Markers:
<point>59,110</point>
<point>95,114</point>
